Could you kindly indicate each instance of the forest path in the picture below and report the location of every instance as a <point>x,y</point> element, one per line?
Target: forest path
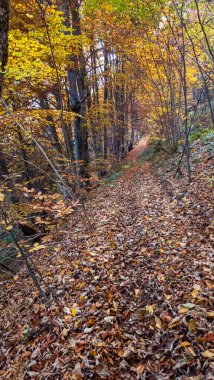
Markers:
<point>141,270</point>
<point>134,293</point>
<point>137,150</point>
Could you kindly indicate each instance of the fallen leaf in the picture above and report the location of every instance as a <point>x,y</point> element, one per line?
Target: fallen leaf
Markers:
<point>64,332</point>
<point>165,316</point>
<point>150,309</point>
<point>210,337</point>
<point>98,305</point>
<point>115,306</point>
<point>87,330</point>
<point>191,351</point>
<point>109,319</point>
<point>9,228</point>
<point>192,325</point>
<point>120,353</point>
<point>194,293</point>
<point>140,369</point>
<point>188,305</point>
<point>183,310</point>
<point>158,323</point>
<point>26,354</point>
<point>137,292</point>
<point>210,314</point>
<point>77,371</point>
<point>73,311</point>
<point>185,344</point>
<point>207,354</point>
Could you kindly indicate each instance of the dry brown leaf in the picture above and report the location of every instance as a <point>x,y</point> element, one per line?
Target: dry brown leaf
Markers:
<point>140,369</point>
<point>191,351</point>
<point>207,354</point>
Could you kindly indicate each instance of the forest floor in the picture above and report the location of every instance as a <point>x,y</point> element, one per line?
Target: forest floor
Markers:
<point>135,293</point>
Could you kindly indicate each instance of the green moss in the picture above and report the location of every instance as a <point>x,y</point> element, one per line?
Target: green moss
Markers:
<point>154,148</point>
<point>115,175</point>
<point>201,134</point>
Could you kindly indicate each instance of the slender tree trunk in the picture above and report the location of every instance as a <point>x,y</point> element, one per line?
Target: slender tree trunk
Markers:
<point>204,32</point>
<point>183,57</point>
<point>132,122</point>
<point>3,165</point>
<point>67,134</point>
<point>4,26</point>
<point>105,100</point>
<point>202,75</point>
<point>58,92</point>
<point>55,138</point>
<point>24,155</point>
<point>78,94</point>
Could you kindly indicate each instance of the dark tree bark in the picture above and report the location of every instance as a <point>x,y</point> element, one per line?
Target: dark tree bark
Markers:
<point>183,58</point>
<point>105,99</point>
<point>4,26</point>
<point>77,89</point>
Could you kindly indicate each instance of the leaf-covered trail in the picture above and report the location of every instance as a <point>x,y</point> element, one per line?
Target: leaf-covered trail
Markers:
<point>135,293</point>
<point>143,261</point>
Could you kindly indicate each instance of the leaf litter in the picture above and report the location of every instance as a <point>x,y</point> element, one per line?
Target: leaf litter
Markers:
<point>135,295</point>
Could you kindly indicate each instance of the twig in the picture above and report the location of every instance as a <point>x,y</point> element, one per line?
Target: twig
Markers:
<point>189,130</point>
<point>25,258</point>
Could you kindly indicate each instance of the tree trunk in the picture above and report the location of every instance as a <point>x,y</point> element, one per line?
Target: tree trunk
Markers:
<point>183,58</point>
<point>77,93</point>
<point>4,26</point>
<point>105,100</point>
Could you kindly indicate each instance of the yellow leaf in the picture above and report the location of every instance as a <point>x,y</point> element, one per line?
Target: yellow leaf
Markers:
<point>150,309</point>
<point>73,311</point>
<point>64,332</point>
<point>1,197</point>
<point>185,344</point>
<point>9,228</point>
<point>191,351</point>
<point>192,325</point>
<point>40,247</point>
<point>29,15</point>
<point>210,314</point>
<point>194,293</point>
<point>16,277</point>
<point>158,323</point>
<point>174,325</point>
<point>207,354</point>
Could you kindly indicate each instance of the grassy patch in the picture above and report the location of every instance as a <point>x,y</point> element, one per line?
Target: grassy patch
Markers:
<point>201,134</point>
<point>153,149</point>
<point>111,177</point>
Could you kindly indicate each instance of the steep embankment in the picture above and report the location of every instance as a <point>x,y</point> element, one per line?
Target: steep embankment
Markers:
<point>135,293</point>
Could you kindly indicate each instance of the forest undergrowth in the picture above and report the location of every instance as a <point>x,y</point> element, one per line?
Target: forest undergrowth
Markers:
<point>133,294</point>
